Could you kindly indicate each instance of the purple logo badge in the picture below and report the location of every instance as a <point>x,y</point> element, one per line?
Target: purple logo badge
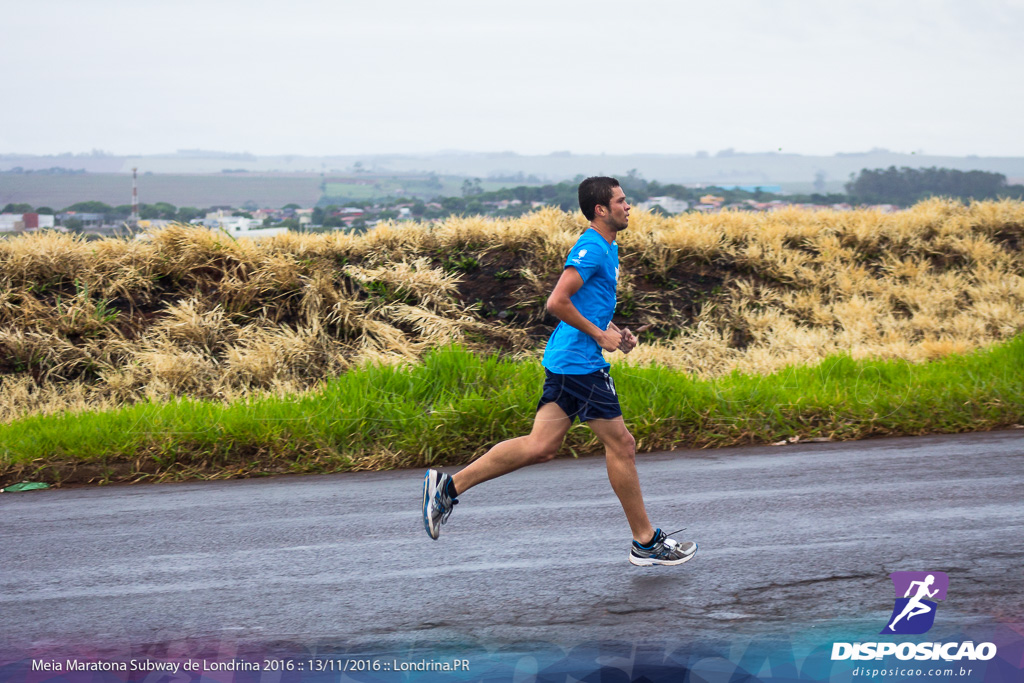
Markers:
<point>916,593</point>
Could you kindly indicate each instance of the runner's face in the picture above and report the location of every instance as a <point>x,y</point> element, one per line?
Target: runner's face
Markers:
<point>618,210</point>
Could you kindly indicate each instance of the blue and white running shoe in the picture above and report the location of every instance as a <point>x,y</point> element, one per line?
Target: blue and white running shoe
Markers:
<point>663,550</point>
<point>437,504</point>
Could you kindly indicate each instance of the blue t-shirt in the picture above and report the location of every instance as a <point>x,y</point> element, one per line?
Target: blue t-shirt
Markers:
<point>569,351</point>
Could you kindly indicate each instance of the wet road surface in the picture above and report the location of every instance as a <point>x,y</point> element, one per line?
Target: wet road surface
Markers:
<point>796,537</point>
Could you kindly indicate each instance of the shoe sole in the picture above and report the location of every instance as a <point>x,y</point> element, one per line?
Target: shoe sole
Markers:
<point>647,562</point>
<point>429,484</point>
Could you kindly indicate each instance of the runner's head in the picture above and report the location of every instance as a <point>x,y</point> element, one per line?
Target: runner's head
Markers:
<point>594,192</point>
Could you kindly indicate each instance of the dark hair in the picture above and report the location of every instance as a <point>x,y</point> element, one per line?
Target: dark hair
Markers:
<point>594,191</point>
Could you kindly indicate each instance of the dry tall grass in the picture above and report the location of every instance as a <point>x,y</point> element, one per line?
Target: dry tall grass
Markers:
<point>919,284</point>
<point>88,325</point>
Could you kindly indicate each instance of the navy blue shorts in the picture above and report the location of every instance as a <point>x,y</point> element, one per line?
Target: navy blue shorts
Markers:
<point>587,397</point>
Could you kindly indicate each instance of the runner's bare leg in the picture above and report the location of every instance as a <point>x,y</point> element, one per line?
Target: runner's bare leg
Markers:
<point>540,445</point>
<point>620,457</point>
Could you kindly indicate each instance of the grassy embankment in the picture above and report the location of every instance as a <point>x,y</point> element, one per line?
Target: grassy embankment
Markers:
<point>457,403</point>
<point>195,356</point>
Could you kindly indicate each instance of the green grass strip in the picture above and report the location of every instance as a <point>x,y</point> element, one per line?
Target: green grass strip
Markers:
<point>457,404</point>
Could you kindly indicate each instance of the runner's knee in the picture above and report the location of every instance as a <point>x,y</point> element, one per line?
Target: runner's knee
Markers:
<point>623,446</point>
<point>543,451</point>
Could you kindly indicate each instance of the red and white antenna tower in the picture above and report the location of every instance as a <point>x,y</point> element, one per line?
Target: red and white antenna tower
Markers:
<point>135,198</point>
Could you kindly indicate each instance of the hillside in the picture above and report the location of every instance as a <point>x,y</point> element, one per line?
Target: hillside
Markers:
<point>191,312</point>
<point>90,326</point>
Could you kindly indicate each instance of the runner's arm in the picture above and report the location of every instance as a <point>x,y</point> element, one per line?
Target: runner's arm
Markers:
<point>560,305</point>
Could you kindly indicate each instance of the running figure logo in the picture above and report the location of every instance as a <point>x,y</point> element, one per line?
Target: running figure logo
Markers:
<point>916,592</point>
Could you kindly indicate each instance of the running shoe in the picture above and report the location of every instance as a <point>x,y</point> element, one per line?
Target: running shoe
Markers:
<point>437,504</point>
<point>663,550</point>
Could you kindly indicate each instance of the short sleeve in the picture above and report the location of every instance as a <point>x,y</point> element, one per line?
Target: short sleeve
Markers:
<point>586,257</point>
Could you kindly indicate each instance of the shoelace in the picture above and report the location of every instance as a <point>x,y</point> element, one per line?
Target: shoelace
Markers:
<point>446,509</point>
<point>666,549</point>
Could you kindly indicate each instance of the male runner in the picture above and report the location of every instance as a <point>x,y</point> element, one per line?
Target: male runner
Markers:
<point>577,384</point>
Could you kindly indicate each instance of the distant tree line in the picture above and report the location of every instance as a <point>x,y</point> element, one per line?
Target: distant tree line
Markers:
<point>159,210</point>
<point>907,186</point>
<point>564,194</point>
<point>560,194</point>
<point>53,170</point>
<point>902,187</point>
<point>26,208</point>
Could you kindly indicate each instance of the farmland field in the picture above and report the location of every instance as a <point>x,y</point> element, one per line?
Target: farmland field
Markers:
<point>265,190</point>
<point>371,187</point>
<point>225,189</point>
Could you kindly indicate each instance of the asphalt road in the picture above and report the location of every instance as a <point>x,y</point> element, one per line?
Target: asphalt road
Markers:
<point>792,538</point>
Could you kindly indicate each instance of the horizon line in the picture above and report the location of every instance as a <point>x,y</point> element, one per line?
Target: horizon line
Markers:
<point>700,154</point>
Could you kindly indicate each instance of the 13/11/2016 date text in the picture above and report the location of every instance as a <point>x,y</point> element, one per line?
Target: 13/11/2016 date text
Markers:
<point>370,665</point>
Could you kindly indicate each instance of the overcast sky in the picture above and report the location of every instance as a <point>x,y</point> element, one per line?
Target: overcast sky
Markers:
<point>650,76</point>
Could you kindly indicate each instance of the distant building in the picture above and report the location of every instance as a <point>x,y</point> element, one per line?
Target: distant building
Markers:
<point>225,221</point>
<point>34,221</point>
<point>667,204</point>
<point>712,200</point>
<point>88,220</point>
<point>11,222</point>
<point>239,226</point>
<point>16,222</point>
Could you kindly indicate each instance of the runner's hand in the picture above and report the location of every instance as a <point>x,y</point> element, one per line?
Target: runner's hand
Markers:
<point>629,340</point>
<point>611,339</point>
